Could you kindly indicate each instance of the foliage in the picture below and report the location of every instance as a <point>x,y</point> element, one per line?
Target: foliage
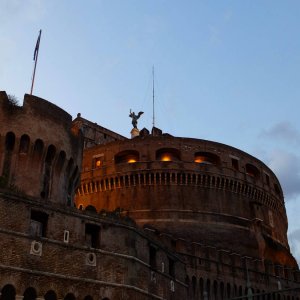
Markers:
<point>13,101</point>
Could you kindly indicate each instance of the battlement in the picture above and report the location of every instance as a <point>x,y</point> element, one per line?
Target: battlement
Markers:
<point>37,106</point>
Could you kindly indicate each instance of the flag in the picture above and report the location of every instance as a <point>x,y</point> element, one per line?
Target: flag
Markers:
<point>36,50</point>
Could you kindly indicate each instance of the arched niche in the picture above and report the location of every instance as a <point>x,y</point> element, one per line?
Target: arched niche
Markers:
<point>60,161</point>
<point>38,148</point>
<point>127,156</point>
<point>252,171</point>
<point>70,296</point>
<point>50,295</point>
<point>206,158</point>
<point>8,292</point>
<point>24,144</point>
<point>50,155</point>
<point>30,294</point>
<point>168,154</point>
<point>10,141</point>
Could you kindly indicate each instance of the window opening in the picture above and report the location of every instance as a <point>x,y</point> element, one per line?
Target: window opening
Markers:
<point>8,292</point>
<point>50,295</point>
<point>30,294</point>
<point>92,235</point>
<point>252,170</point>
<point>206,158</point>
<point>24,144</point>
<point>171,267</point>
<point>152,257</point>
<point>38,223</point>
<point>267,179</point>
<point>235,164</point>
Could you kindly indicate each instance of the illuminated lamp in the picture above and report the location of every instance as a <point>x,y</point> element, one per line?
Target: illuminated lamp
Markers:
<point>199,159</point>
<point>98,163</point>
<point>131,159</point>
<point>166,157</point>
<point>202,159</point>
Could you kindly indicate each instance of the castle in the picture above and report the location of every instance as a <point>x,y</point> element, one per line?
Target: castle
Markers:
<point>88,214</point>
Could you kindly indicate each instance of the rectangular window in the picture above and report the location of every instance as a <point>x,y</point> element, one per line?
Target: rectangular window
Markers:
<point>152,257</point>
<point>235,163</point>
<point>98,160</point>
<point>267,179</point>
<point>38,223</point>
<point>171,267</point>
<point>92,235</point>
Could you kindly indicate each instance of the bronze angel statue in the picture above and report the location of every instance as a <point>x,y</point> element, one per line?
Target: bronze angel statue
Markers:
<point>135,117</point>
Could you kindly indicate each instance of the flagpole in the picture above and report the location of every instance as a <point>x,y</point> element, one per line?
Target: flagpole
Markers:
<point>35,57</point>
<point>153,120</point>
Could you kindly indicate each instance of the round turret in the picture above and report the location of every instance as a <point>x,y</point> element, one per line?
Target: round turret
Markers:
<point>202,191</point>
<point>40,151</point>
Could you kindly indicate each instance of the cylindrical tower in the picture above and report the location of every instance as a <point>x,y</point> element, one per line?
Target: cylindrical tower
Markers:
<point>199,190</point>
<point>40,151</point>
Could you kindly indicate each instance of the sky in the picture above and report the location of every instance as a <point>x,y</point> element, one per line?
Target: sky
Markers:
<point>225,71</point>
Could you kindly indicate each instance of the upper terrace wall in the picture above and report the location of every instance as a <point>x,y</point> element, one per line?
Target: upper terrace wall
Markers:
<point>39,149</point>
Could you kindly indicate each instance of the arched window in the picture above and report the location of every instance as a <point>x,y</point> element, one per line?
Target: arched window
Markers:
<point>168,154</point>
<point>69,167</point>
<point>60,161</point>
<point>207,158</point>
<point>50,295</point>
<point>70,296</point>
<point>9,147</point>
<point>50,154</point>
<point>252,171</point>
<point>194,285</point>
<point>24,144</point>
<point>127,156</point>
<point>201,287</point>
<point>10,141</point>
<point>38,149</point>
<point>215,287</point>
<point>30,294</point>
<point>47,171</point>
<point>8,292</point>
<point>207,290</point>
<point>228,291</point>
<point>88,297</point>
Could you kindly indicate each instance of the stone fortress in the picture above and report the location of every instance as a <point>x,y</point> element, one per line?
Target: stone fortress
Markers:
<point>87,214</point>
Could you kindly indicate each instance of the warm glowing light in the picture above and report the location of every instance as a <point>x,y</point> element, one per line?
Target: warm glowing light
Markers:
<point>131,160</point>
<point>200,159</point>
<point>98,163</point>
<point>166,157</point>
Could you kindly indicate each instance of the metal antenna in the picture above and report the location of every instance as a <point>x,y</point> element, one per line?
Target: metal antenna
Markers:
<point>153,113</point>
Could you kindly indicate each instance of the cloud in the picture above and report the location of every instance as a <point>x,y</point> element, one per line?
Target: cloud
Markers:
<point>282,131</point>
<point>294,241</point>
<point>287,167</point>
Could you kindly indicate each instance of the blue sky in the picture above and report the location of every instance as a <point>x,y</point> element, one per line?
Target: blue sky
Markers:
<point>225,71</point>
